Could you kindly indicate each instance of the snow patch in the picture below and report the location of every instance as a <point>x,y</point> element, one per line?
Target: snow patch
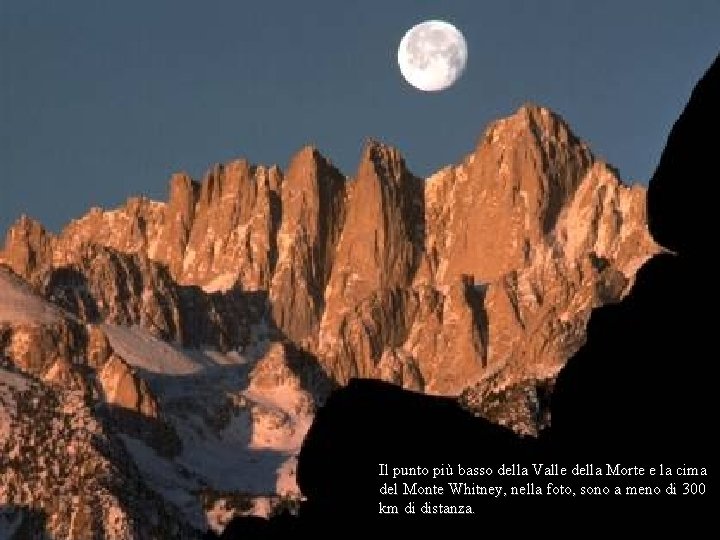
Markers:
<point>144,351</point>
<point>236,438</point>
<point>18,304</point>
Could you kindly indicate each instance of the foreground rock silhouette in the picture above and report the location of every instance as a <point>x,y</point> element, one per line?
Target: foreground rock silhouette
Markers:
<point>640,392</point>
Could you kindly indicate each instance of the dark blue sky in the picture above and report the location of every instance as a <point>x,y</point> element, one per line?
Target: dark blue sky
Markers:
<point>102,100</point>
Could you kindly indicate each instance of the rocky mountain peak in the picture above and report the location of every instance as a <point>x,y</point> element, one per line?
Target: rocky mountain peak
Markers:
<point>536,121</point>
<point>379,248</point>
<point>28,246</point>
<point>224,181</point>
<point>307,156</point>
<point>183,193</point>
<point>382,161</point>
<point>178,217</point>
<point>309,169</point>
<point>313,214</point>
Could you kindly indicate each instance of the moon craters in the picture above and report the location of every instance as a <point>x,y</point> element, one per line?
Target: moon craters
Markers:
<point>432,55</point>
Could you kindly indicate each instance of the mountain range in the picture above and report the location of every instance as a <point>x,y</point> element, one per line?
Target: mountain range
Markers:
<point>174,353</point>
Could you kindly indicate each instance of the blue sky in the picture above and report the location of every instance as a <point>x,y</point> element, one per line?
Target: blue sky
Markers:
<point>103,100</point>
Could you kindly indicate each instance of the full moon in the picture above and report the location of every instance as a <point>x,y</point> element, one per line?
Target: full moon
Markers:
<point>432,55</point>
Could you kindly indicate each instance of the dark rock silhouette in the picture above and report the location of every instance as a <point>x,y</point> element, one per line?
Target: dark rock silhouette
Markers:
<point>639,388</point>
<point>639,392</point>
<point>680,216</point>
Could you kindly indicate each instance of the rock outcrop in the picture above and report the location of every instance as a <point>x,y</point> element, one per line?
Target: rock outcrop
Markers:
<point>63,474</point>
<point>367,297</point>
<point>313,214</point>
<point>122,388</point>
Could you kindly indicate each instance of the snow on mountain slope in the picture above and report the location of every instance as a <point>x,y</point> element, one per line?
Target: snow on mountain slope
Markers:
<point>18,304</point>
<point>149,354</point>
<point>238,439</point>
<point>63,474</point>
<point>239,435</point>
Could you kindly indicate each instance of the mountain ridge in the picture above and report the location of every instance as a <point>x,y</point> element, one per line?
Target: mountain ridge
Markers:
<point>299,236</point>
<point>246,297</point>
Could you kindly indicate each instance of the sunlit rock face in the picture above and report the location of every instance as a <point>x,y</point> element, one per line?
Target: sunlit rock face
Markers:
<point>489,266</point>
<point>217,322</point>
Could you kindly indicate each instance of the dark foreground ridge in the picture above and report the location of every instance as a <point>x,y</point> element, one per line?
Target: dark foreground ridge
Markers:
<point>640,393</point>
